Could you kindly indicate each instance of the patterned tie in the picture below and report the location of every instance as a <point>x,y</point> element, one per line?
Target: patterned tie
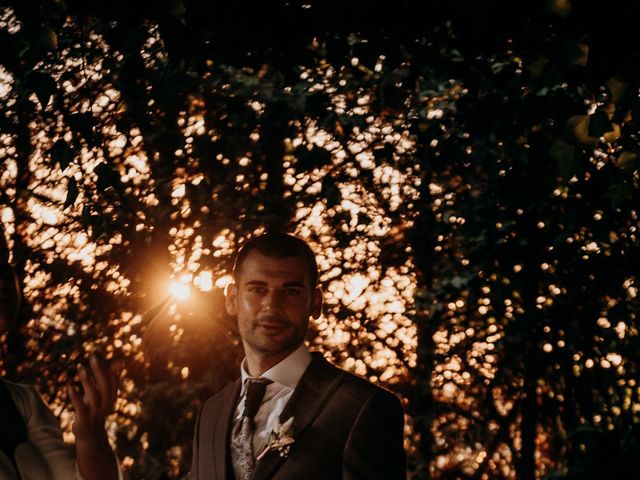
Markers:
<point>242,456</point>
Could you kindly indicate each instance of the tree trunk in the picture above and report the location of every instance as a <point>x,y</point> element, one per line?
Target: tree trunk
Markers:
<point>422,239</point>
<point>277,212</point>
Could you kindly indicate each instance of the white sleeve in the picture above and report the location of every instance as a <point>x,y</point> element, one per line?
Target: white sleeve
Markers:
<point>44,433</point>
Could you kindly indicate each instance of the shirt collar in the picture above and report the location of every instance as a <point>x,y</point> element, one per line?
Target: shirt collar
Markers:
<point>288,372</point>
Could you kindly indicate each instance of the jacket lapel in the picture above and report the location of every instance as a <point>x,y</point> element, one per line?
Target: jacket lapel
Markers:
<point>314,390</point>
<point>222,437</point>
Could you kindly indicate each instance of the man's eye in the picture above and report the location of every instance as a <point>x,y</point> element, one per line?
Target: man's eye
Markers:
<point>256,289</point>
<point>292,292</point>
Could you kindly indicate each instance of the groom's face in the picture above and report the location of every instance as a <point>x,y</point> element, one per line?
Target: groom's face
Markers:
<point>273,301</point>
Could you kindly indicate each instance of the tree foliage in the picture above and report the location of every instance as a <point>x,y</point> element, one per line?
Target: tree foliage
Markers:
<point>468,176</point>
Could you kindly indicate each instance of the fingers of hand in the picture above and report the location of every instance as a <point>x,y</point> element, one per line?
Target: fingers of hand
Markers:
<point>106,387</point>
<point>116,368</point>
<point>91,395</point>
<point>114,377</point>
<point>100,386</point>
<point>76,400</point>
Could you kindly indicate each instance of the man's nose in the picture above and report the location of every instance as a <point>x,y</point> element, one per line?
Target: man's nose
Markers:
<point>271,298</point>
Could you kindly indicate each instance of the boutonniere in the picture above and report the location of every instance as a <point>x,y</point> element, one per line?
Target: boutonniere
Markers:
<point>280,439</point>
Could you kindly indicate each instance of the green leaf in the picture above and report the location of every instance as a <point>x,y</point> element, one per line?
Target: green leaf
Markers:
<point>619,192</point>
<point>61,153</point>
<point>627,161</point>
<point>317,102</point>
<point>83,123</point>
<point>578,127</point>
<point>309,159</point>
<point>384,155</point>
<point>72,193</point>
<point>177,10</point>
<point>560,7</point>
<point>364,219</point>
<point>43,85</point>
<point>107,177</point>
<point>351,121</point>
<point>573,53</point>
<point>599,124</point>
<point>47,40</point>
<point>617,87</point>
<point>458,282</point>
<point>567,157</point>
<point>85,219</point>
<point>536,67</point>
<point>331,192</point>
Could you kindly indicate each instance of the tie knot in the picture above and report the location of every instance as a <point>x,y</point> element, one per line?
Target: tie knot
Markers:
<point>255,393</point>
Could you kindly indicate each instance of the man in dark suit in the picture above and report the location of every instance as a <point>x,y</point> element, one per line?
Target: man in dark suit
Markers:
<point>292,415</point>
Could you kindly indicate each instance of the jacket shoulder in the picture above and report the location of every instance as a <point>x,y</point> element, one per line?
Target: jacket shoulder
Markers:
<point>221,394</point>
<point>356,385</point>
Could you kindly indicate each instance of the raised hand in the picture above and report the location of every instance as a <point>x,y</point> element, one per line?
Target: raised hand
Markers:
<point>96,460</point>
<point>100,387</point>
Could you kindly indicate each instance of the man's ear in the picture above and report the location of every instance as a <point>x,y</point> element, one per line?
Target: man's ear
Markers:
<point>231,299</point>
<point>316,302</point>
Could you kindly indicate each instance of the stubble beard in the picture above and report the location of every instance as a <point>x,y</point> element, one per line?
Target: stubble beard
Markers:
<point>283,342</point>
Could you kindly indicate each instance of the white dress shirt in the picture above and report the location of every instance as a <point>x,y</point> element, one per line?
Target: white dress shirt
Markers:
<point>285,377</point>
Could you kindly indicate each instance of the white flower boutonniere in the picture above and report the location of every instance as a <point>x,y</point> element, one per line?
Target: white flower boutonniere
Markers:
<point>280,439</point>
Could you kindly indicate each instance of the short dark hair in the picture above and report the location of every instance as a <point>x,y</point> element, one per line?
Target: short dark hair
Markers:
<point>278,245</point>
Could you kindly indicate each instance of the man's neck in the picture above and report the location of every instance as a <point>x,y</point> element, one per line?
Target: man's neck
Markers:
<point>260,364</point>
<point>257,363</point>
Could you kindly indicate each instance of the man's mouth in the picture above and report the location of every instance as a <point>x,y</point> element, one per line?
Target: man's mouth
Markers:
<point>272,326</point>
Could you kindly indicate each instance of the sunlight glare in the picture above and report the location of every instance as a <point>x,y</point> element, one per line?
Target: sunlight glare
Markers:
<point>179,290</point>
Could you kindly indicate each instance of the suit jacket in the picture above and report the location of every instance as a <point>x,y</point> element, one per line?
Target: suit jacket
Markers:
<point>344,428</point>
